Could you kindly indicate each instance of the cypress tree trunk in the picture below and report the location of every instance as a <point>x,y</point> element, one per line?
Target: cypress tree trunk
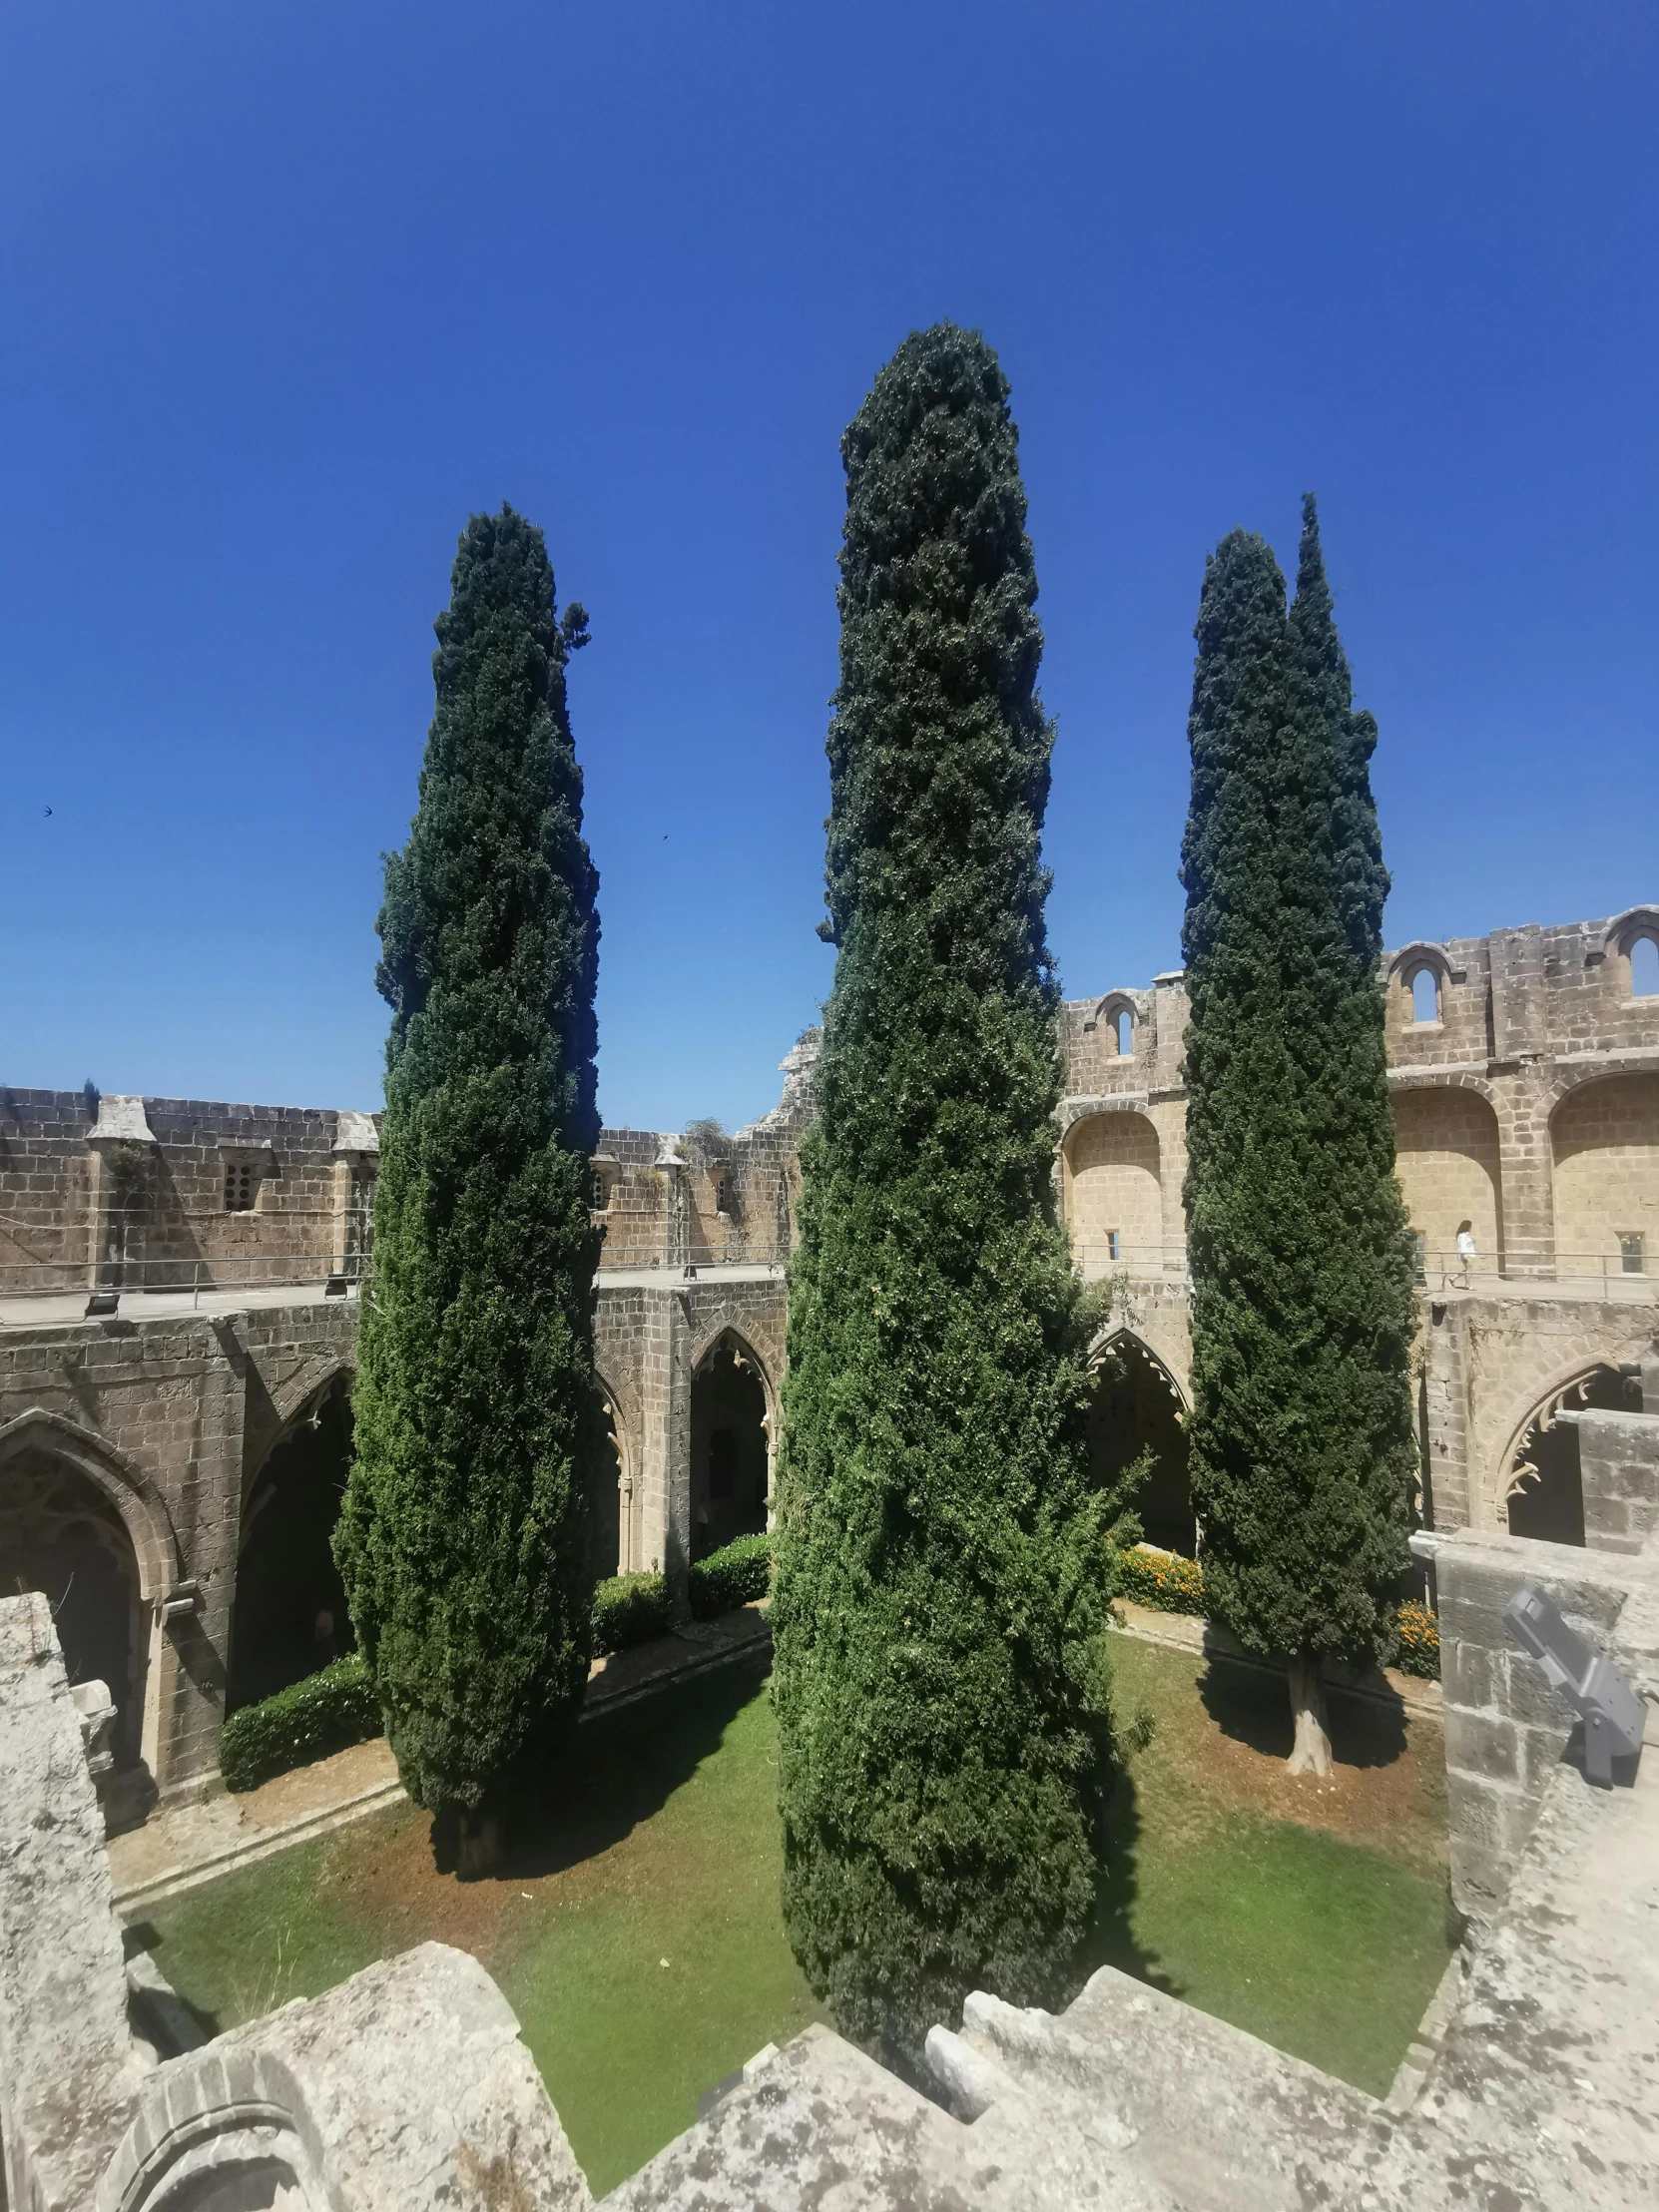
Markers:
<point>940,1675</point>
<point>464,1535</point>
<point>1301,1434</point>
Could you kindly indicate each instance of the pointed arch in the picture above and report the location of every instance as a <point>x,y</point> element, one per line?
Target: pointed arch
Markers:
<point>733,1415</point>
<point>1137,1408</point>
<point>1537,1489</point>
<point>129,1490</point>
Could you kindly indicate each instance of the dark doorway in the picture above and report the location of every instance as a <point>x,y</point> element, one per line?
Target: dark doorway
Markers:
<point>1135,1409</point>
<point>1550,1503</point>
<point>728,1448</point>
<point>61,1535</point>
<point>291,1616</point>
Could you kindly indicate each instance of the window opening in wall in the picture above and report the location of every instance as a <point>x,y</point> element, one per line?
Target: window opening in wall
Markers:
<point>1111,1243</point>
<point>599,1190</point>
<point>242,1185</point>
<point>1426,995</point>
<point>1123,1024</point>
<point>1419,1255</point>
<point>1631,1253</point>
<point>1644,969</point>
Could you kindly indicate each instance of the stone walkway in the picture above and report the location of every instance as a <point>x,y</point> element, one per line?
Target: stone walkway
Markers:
<point>188,1844</point>
<point>1186,1632</point>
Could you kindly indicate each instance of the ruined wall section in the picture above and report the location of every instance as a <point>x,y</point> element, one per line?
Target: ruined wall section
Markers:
<point>46,1177</point>
<point>167,1193</point>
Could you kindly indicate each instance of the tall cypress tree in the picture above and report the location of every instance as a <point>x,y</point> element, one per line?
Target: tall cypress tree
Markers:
<point>1300,1434</point>
<point>940,1677</point>
<point>463,1536</point>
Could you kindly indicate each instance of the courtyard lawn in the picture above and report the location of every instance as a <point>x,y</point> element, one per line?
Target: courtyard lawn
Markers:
<point>639,1938</point>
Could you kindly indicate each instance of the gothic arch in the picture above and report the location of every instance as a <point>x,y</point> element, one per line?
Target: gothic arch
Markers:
<point>627,1503</point>
<point>1120,1333</point>
<point>733,1415</point>
<point>1564,1386</point>
<point>744,1350</point>
<point>131,1492</point>
<point>1137,1407</point>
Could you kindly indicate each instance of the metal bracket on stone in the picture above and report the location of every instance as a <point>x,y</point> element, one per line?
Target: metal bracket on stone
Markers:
<point>1601,1697</point>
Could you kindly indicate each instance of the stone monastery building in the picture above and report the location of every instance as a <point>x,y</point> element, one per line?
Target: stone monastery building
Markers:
<point>180,1286</point>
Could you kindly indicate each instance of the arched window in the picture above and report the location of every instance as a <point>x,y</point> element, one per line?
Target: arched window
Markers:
<point>1122,1027</point>
<point>1644,969</point>
<point>1426,995</point>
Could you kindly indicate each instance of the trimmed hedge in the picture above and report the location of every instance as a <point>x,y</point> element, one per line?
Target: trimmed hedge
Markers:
<point>309,1719</point>
<point>1163,1580</point>
<point>627,1609</point>
<point>330,1710</point>
<point>1418,1641</point>
<point>731,1577</point>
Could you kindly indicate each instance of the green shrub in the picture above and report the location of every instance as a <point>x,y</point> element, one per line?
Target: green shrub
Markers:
<point>306,1721</point>
<point>731,1576</point>
<point>1163,1580</point>
<point>629,1609</point>
<point>1418,1641</point>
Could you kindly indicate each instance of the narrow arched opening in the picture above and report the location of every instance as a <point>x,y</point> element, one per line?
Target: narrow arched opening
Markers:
<point>610,1516</point>
<point>290,1616</point>
<point>1426,995</point>
<point>1136,1412</point>
<point>727,1448</point>
<point>61,1535</point>
<point>1644,969</point>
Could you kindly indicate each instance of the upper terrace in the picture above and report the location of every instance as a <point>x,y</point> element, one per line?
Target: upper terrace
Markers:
<point>1524,1068</point>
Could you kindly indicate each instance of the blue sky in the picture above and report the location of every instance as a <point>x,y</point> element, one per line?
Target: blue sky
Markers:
<point>288,290</point>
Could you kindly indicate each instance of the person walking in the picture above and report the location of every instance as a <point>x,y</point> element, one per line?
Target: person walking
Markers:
<point>1466,1254</point>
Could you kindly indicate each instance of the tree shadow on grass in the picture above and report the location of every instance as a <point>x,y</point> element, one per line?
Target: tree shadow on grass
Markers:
<point>1253,1706</point>
<point>1111,1939</point>
<point>619,1772</point>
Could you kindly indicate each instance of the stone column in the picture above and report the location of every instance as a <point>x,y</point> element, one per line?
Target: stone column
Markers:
<point>664,1477</point>
<point>1167,1111</point>
<point>1525,1173</point>
<point>357,1157</point>
<point>123,1151</point>
<point>191,1641</point>
<point>676,1210</point>
<point>1450,1500</point>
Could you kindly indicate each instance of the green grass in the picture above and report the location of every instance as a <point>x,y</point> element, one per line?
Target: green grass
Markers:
<point>665,1847</point>
<point>1327,1947</point>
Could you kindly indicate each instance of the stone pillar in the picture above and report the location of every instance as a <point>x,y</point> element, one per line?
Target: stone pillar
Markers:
<point>357,1158</point>
<point>664,1475</point>
<point>191,1641</point>
<point>1167,1111</point>
<point>123,1151</point>
<point>1450,1500</point>
<point>1525,1174</point>
<point>677,1241</point>
<point>1506,1728</point>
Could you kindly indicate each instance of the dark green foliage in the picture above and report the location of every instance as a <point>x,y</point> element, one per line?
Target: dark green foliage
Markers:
<point>938,1590</point>
<point>465,1533</point>
<point>630,1609</point>
<point>735,1575</point>
<point>1300,1436</point>
<point>306,1721</point>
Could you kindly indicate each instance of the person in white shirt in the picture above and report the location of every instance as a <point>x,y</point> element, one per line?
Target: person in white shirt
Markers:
<point>1466,1254</point>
